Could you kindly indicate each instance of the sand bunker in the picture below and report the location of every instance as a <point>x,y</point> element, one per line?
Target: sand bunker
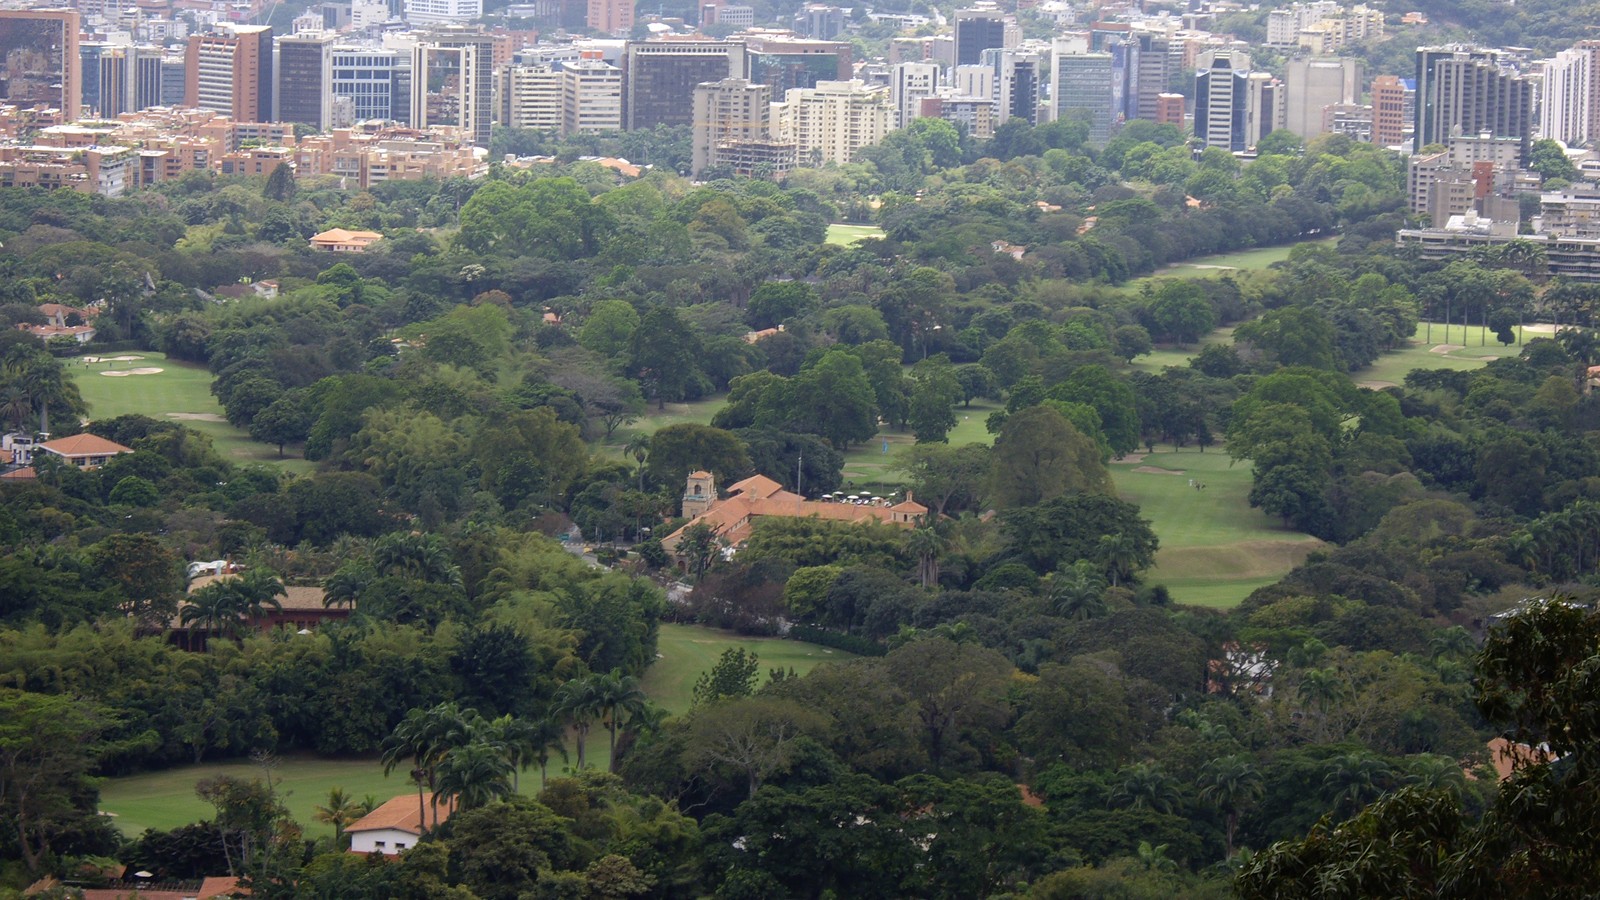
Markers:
<point>118,373</point>
<point>1155,470</point>
<point>1130,458</point>
<point>197,417</point>
<point>1376,385</point>
<point>1447,348</point>
<point>106,359</point>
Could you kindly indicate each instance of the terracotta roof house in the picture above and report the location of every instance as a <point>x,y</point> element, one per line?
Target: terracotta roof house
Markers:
<point>733,516</point>
<point>86,451</point>
<point>302,611</point>
<point>338,240</point>
<point>397,824</point>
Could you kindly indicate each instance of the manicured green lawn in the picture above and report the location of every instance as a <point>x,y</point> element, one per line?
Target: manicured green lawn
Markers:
<point>180,391</point>
<point>685,651</point>
<point>845,235</point>
<point>1465,348</point>
<point>867,466</point>
<point>166,799</point>
<point>1215,549</point>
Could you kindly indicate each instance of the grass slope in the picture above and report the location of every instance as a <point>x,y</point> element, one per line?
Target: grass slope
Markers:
<point>1464,348</point>
<point>1215,549</point>
<point>181,391</point>
<point>845,235</point>
<point>166,799</point>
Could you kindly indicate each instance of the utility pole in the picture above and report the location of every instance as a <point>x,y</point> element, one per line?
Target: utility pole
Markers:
<point>799,467</point>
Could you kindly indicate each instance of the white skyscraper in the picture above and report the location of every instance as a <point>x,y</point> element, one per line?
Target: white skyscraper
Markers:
<point>1571,101</point>
<point>909,83</point>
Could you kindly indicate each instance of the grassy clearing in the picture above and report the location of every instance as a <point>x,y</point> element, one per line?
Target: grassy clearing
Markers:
<point>1463,349</point>
<point>867,466</point>
<point>166,799</point>
<point>845,235</point>
<point>688,650</point>
<point>1215,549</point>
<point>180,391</point>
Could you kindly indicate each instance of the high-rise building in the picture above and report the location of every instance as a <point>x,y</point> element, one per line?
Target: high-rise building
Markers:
<point>305,79</point>
<point>1311,85</point>
<point>174,80</point>
<point>530,97</point>
<point>230,72</point>
<point>452,83</point>
<point>1154,68</point>
<point>591,96</point>
<point>147,72</point>
<point>830,122</point>
<point>1017,84</point>
<point>783,63</point>
<point>909,83</point>
<point>727,111</point>
<point>659,78</point>
<point>1235,108</point>
<point>1389,119</point>
<point>442,12</point>
<point>820,21</point>
<point>106,78</point>
<point>613,17</point>
<point>39,60</point>
<point>369,78</point>
<point>1571,100</point>
<point>978,30</point>
<point>1083,88</point>
<point>1470,90</point>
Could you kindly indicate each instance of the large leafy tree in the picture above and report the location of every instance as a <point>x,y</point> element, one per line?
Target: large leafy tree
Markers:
<point>48,744</point>
<point>1039,455</point>
<point>664,356</point>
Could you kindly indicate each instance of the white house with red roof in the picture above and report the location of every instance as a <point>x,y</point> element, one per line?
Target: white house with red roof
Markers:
<point>84,451</point>
<point>398,824</point>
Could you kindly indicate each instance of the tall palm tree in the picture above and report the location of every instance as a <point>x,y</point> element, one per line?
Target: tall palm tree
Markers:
<point>340,811</point>
<point>257,590</point>
<point>1322,688</point>
<point>426,736</point>
<point>578,704</point>
<point>638,447</point>
<point>1356,779</point>
<point>552,737</point>
<point>474,775</point>
<point>519,739</point>
<point>1145,786</point>
<point>214,609</point>
<point>927,545</point>
<point>1119,554</point>
<point>1078,592</point>
<point>617,694</point>
<point>1230,785</point>
<point>422,557</point>
<point>346,583</point>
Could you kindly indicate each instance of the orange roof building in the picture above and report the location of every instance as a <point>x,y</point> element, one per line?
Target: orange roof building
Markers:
<point>85,451</point>
<point>733,517</point>
<point>397,824</point>
<point>339,240</point>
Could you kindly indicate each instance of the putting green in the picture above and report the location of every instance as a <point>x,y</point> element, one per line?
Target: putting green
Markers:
<point>845,235</point>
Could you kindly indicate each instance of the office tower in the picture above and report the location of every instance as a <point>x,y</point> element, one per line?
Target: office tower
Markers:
<point>1389,120</point>
<point>1083,88</point>
<point>39,60</point>
<point>784,63</point>
<point>1235,108</point>
<point>106,79</point>
<point>230,72</point>
<point>1016,74</point>
<point>452,83</point>
<point>820,21</point>
<point>1472,90</point>
<point>305,79</point>
<point>613,17</point>
<point>659,78</point>
<point>1571,99</point>
<point>909,83</point>
<point>973,81</point>
<point>1169,110</point>
<point>442,12</point>
<point>978,30</point>
<point>174,80</point>
<point>733,109</point>
<point>1154,68</point>
<point>1311,85</point>
<point>369,78</point>
<point>830,122</point>
<point>147,80</point>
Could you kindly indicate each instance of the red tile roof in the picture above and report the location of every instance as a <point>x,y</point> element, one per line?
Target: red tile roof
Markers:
<point>84,445</point>
<point>403,813</point>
